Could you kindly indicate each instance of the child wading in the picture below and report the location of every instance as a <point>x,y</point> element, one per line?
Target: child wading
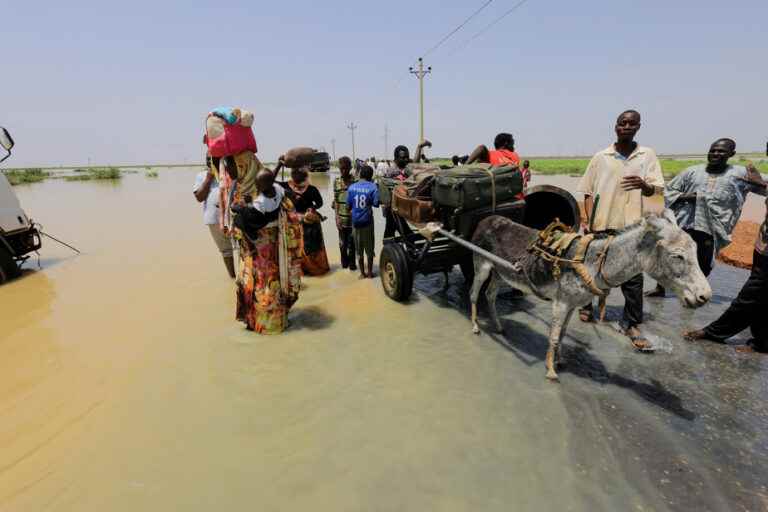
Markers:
<point>362,197</point>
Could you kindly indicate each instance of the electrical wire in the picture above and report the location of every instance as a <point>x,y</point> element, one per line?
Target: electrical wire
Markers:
<point>452,32</point>
<point>488,27</point>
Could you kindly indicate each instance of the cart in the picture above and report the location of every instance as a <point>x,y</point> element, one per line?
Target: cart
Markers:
<point>409,253</point>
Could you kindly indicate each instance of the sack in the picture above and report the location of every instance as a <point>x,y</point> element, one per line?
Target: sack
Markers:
<point>298,157</point>
<point>413,209</point>
<point>477,186</point>
<point>228,132</point>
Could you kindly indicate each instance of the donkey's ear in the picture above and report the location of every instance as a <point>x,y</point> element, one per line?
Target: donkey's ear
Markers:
<point>655,223</point>
<point>670,216</point>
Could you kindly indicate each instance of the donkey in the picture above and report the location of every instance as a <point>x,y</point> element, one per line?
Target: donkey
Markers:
<point>655,245</point>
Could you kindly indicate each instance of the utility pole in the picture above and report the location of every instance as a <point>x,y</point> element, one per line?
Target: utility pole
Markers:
<point>352,127</point>
<point>420,73</point>
<point>386,141</point>
<point>333,145</point>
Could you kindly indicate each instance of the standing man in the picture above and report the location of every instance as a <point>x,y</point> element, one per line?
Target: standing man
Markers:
<point>206,191</point>
<point>343,214</point>
<point>399,172</point>
<point>363,196</point>
<point>615,185</point>
<point>707,201</point>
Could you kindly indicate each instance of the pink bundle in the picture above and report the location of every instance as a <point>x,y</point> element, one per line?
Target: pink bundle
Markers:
<point>228,132</point>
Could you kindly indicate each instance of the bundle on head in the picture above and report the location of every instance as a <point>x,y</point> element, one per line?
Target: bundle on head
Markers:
<point>298,157</point>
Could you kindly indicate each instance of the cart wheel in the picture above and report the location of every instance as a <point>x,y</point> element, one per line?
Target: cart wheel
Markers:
<point>396,273</point>
<point>8,267</point>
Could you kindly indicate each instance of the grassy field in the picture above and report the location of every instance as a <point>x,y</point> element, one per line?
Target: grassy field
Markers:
<point>576,166</point>
<point>21,176</point>
<point>671,167</point>
<point>95,173</point>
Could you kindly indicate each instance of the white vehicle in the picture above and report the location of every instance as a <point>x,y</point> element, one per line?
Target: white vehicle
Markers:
<point>18,235</point>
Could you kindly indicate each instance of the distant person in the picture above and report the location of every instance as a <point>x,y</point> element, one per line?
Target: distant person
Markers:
<point>749,308</point>
<point>363,196</point>
<point>344,213</point>
<point>307,200</point>
<point>503,154</point>
<point>707,200</point>
<point>615,185</point>
<point>206,191</point>
<point>526,172</point>
<point>381,168</point>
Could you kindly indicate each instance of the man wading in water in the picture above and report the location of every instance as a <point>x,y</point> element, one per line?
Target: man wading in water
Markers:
<point>707,201</point>
<point>343,214</point>
<point>614,185</point>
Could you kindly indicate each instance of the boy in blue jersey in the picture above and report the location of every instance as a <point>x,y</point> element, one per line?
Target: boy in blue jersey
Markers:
<point>362,197</point>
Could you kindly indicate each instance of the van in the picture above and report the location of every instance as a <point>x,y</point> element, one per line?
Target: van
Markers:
<point>18,235</point>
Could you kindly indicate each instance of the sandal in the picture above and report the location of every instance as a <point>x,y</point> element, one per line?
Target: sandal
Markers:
<point>638,340</point>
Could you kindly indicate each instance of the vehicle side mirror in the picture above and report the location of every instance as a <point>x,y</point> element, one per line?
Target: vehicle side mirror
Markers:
<point>5,139</point>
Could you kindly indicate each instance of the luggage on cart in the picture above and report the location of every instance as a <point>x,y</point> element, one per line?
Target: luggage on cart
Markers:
<point>411,207</point>
<point>476,186</point>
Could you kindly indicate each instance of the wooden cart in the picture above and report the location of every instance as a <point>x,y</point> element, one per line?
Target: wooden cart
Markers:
<point>409,253</point>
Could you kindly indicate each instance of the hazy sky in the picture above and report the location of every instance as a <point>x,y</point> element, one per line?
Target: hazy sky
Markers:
<point>131,82</point>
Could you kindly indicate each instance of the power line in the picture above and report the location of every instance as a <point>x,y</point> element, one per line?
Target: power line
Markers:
<point>448,36</point>
<point>488,27</point>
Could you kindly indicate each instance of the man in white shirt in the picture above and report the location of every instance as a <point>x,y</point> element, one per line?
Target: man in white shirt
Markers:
<point>206,191</point>
<point>381,168</point>
<point>617,182</point>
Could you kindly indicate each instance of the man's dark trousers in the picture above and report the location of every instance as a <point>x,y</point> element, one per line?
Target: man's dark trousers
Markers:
<point>748,309</point>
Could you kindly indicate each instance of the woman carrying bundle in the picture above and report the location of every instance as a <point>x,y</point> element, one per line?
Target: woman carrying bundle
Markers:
<point>268,231</point>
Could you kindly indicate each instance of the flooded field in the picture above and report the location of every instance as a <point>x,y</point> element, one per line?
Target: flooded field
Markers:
<point>126,384</point>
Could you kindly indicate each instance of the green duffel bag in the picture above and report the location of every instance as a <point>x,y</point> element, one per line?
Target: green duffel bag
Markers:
<point>385,189</point>
<point>476,186</point>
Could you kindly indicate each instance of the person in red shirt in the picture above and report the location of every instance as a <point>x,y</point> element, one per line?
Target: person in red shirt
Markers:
<point>504,154</point>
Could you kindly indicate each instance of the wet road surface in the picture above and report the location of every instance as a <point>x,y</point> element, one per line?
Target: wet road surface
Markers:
<point>125,384</point>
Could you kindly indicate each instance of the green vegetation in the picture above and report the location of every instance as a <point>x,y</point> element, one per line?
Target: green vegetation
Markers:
<point>151,173</point>
<point>95,173</point>
<point>577,166</point>
<point>20,176</point>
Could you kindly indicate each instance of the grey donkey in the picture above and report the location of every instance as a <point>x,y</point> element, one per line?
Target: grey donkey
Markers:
<point>655,245</point>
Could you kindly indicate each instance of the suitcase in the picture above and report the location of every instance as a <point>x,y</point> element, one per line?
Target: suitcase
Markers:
<point>417,210</point>
<point>477,186</point>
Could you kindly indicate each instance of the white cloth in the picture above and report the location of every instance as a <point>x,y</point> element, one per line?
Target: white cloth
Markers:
<point>211,203</point>
<point>266,204</point>
<point>381,168</point>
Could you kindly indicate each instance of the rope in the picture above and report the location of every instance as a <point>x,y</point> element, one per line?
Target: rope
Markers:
<point>493,189</point>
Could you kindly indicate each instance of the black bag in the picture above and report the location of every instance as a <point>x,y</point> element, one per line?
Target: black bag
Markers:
<point>476,186</point>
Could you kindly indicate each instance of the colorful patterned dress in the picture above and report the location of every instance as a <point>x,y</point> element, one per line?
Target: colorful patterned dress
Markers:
<point>269,274</point>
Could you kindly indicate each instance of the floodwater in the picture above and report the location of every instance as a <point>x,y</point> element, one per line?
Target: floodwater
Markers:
<point>126,384</point>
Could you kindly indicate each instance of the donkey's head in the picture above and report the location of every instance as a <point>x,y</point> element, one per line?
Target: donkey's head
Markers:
<point>668,254</point>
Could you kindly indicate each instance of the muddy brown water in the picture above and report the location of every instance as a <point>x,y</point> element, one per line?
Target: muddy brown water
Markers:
<point>126,384</point>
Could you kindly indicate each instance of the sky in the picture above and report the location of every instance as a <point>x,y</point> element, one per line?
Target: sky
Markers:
<point>131,82</point>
